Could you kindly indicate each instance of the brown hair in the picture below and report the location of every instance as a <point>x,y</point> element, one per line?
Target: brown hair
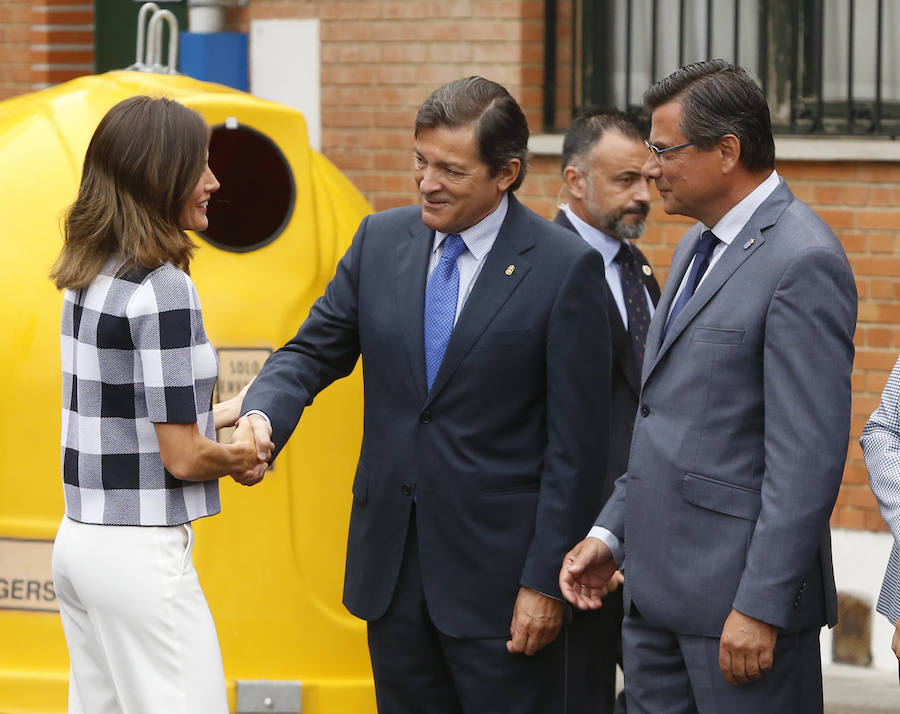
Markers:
<point>501,131</point>
<point>719,98</point>
<point>141,166</point>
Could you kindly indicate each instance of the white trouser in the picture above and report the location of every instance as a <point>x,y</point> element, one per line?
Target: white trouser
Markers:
<point>140,635</point>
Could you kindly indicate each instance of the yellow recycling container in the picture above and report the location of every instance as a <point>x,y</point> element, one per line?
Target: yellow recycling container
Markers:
<point>272,562</point>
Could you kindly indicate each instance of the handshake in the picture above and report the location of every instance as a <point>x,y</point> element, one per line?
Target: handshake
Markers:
<point>252,444</point>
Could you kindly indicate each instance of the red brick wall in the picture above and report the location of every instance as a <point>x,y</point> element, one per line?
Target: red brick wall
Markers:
<point>566,95</point>
<point>43,42</point>
<point>15,42</point>
<point>62,40</point>
<point>861,202</point>
<point>381,58</point>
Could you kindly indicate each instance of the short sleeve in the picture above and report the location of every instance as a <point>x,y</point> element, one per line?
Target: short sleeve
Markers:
<point>161,318</point>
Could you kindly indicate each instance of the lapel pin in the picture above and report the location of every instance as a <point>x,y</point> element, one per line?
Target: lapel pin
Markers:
<point>511,269</point>
<point>749,243</point>
<point>648,271</point>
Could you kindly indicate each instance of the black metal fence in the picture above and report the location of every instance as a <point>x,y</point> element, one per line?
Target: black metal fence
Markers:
<point>826,66</point>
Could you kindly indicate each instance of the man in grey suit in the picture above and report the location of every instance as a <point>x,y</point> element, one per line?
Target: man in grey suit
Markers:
<point>609,199</point>
<point>743,424</point>
<point>484,345</point>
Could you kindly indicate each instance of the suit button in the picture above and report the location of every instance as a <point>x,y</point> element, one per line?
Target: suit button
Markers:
<point>645,410</point>
<point>406,489</point>
<point>425,418</point>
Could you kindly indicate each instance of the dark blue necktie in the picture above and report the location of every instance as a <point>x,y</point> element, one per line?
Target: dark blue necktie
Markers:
<point>708,242</point>
<point>636,308</point>
<point>441,296</point>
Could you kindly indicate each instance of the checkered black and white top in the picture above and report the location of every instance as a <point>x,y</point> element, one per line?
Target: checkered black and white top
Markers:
<point>134,353</point>
<point>881,447</point>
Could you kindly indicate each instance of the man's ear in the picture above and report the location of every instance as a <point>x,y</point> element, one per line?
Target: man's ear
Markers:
<point>508,174</point>
<point>729,148</point>
<point>575,181</point>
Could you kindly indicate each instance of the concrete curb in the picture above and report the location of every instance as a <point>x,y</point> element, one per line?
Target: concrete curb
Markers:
<point>860,690</point>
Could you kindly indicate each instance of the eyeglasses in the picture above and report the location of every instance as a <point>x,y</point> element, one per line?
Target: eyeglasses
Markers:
<point>658,153</point>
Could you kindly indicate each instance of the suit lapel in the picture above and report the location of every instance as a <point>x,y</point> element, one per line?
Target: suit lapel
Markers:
<point>493,286</point>
<point>745,244</point>
<point>649,279</point>
<point>412,270</point>
<point>732,259</point>
<point>653,290</point>
<point>621,343</point>
<point>657,325</point>
<point>563,220</point>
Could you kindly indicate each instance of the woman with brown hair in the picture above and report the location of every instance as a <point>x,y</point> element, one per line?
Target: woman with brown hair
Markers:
<point>139,456</point>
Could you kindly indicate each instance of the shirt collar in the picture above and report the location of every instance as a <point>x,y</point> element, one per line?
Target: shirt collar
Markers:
<point>605,244</point>
<point>733,222</point>
<point>480,237</point>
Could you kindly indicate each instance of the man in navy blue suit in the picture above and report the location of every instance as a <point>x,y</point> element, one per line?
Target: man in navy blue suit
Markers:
<point>609,199</point>
<point>485,350</point>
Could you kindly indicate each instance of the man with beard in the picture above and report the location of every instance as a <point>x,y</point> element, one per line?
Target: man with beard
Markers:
<point>609,199</point>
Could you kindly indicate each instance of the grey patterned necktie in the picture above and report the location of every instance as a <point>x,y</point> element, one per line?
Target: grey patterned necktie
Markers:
<point>635,296</point>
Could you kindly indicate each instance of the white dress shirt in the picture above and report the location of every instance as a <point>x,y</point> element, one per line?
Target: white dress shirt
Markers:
<point>730,225</point>
<point>608,247</point>
<point>479,240</point>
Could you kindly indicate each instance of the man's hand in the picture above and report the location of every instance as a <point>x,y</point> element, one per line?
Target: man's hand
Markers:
<point>535,622</point>
<point>262,434</point>
<point>586,573</point>
<point>746,648</point>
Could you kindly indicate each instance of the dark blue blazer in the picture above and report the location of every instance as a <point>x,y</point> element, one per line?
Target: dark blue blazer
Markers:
<point>625,389</point>
<point>504,456</point>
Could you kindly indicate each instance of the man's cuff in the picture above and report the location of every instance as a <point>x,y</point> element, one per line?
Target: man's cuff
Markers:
<point>613,543</point>
<point>262,414</point>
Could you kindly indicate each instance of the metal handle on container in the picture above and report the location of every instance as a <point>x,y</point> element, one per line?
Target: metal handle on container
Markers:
<point>154,42</point>
<point>148,54</point>
<point>141,33</point>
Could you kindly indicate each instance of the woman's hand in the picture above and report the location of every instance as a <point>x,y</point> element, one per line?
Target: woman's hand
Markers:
<point>226,412</point>
<point>190,456</point>
<point>240,395</point>
<point>253,466</point>
<point>895,643</point>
